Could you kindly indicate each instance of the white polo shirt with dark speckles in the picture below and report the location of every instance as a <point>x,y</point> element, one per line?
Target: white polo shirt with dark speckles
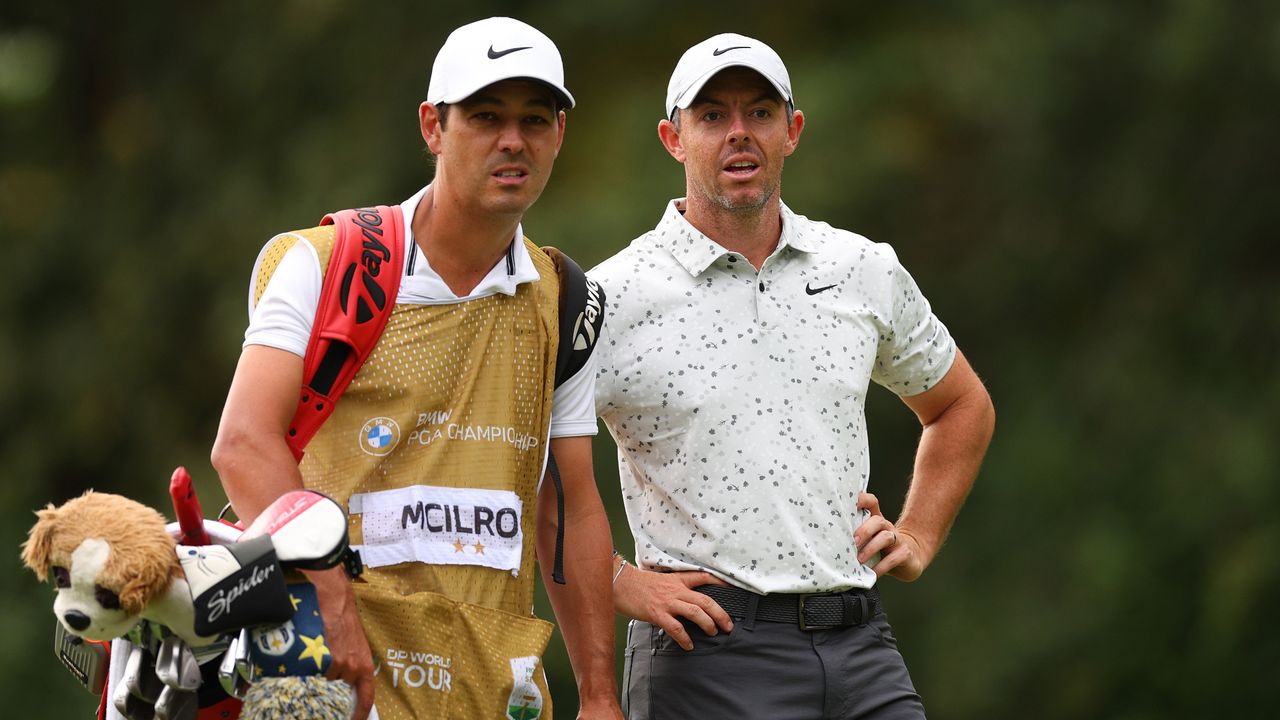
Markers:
<point>736,397</point>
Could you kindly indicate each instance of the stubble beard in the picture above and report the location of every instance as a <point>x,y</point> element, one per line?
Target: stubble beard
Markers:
<point>739,205</point>
<point>516,201</point>
<point>745,206</point>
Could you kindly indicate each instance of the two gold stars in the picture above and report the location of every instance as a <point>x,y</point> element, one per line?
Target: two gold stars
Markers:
<point>459,546</point>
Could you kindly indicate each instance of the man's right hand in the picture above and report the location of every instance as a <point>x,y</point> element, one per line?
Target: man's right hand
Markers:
<point>352,658</point>
<point>256,467</point>
<point>661,599</point>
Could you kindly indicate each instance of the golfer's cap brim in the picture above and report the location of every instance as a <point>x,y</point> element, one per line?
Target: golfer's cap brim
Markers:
<point>489,51</point>
<point>703,61</point>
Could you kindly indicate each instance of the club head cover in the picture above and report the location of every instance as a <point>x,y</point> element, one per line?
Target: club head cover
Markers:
<point>296,647</point>
<point>235,586</point>
<point>309,530</point>
<point>287,698</point>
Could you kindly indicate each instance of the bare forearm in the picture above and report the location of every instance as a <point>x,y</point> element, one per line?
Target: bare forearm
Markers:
<point>254,473</point>
<point>250,453</point>
<point>947,462</point>
<point>584,605</point>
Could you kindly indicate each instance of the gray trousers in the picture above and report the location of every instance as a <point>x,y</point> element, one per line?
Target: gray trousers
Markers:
<point>768,670</point>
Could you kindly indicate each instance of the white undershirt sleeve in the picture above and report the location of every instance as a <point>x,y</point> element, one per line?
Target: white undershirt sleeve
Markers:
<point>284,314</point>
<point>573,408</point>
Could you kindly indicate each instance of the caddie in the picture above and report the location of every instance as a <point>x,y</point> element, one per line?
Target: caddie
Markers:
<point>439,445</point>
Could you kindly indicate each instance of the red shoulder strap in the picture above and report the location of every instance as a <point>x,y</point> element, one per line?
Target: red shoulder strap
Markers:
<point>356,299</point>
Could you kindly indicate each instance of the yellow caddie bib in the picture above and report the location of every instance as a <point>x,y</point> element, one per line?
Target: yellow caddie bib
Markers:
<point>436,450</point>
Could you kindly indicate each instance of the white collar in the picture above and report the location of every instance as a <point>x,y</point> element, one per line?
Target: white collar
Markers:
<point>515,268</point>
<point>696,252</point>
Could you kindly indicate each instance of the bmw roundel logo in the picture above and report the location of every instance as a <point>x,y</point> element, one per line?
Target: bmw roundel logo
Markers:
<point>379,436</point>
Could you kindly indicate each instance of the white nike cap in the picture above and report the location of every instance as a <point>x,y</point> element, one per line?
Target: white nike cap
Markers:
<point>487,51</point>
<point>702,61</point>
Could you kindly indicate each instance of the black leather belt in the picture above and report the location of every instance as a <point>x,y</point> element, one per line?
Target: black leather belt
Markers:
<point>816,611</point>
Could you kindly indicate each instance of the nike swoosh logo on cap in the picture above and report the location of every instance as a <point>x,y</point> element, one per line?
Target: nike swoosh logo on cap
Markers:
<point>719,51</point>
<point>495,54</point>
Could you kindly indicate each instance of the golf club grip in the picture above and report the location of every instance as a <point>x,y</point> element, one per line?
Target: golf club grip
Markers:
<point>187,507</point>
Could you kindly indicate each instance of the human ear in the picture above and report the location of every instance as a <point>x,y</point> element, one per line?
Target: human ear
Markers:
<point>431,127</point>
<point>794,128</point>
<point>669,134</point>
<point>561,117</point>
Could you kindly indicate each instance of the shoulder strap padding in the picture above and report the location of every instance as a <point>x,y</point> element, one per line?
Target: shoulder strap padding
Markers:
<point>581,315</point>
<point>358,293</point>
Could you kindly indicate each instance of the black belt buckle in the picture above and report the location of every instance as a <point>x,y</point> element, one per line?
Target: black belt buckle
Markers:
<point>800,612</point>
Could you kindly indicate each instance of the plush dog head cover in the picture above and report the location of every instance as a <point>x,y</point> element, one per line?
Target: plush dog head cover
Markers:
<point>109,557</point>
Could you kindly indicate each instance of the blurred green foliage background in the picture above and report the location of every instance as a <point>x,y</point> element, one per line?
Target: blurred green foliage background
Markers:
<point>1087,191</point>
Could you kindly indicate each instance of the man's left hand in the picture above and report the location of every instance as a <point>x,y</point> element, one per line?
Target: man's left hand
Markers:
<point>901,554</point>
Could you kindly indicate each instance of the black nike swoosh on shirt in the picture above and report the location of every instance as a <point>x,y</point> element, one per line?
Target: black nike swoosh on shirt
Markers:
<point>814,291</point>
<point>495,54</point>
<point>718,51</point>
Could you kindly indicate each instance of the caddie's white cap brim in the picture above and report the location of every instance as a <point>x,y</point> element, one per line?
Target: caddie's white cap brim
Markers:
<point>701,62</point>
<point>487,51</point>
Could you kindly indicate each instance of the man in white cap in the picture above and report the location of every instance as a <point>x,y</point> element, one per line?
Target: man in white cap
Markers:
<point>741,341</point>
<point>438,447</point>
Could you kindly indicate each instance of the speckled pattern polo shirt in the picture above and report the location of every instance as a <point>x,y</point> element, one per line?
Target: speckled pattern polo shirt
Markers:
<point>736,398</point>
